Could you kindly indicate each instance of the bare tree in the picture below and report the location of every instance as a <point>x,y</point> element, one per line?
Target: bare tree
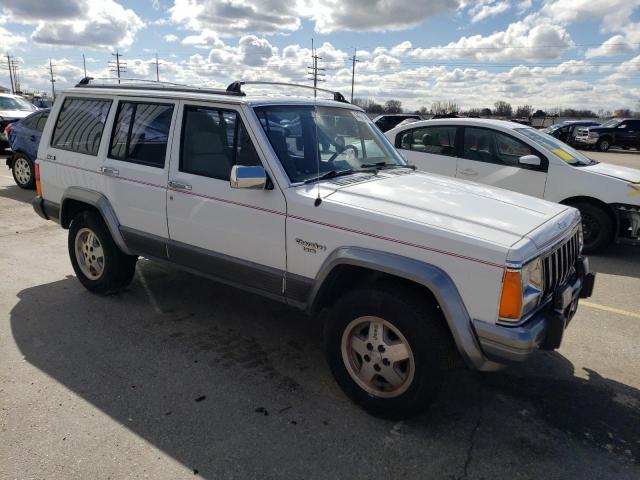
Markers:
<point>393,106</point>
<point>524,111</point>
<point>502,109</point>
<point>444,107</point>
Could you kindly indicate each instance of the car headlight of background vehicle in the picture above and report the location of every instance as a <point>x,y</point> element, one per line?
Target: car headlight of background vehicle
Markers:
<point>594,134</point>
<point>521,291</point>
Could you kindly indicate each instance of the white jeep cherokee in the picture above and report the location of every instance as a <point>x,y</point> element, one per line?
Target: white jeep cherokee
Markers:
<point>407,270</point>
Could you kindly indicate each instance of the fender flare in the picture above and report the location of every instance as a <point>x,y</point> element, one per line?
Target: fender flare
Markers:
<point>433,278</point>
<point>100,203</point>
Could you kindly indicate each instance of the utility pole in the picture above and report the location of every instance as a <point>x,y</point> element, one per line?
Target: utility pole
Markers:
<point>53,81</point>
<point>13,88</point>
<point>353,71</point>
<point>315,72</point>
<point>117,66</point>
<point>157,69</point>
<point>84,65</point>
<point>16,77</point>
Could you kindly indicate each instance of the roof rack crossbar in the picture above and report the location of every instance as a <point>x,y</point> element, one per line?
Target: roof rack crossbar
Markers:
<point>236,87</point>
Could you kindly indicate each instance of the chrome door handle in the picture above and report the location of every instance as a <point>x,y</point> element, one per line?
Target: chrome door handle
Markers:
<point>109,171</point>
<point>468,171</point>
<point>179,185</point>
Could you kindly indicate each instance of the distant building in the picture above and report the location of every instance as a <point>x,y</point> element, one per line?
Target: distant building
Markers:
<point>4,89</point>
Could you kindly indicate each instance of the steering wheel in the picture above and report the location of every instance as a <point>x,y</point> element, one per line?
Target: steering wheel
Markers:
<point>351,152</point>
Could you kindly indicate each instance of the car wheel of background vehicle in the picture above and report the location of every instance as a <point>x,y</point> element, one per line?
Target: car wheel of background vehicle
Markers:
<point>625,148</point>
<point>389,349</point>
<point>597,227</point>
<point>604,145</point>
<point>23,172</point>
<point>98,262</point>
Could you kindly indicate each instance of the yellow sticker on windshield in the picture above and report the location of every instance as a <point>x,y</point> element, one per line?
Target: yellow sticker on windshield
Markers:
<point>566,156</point>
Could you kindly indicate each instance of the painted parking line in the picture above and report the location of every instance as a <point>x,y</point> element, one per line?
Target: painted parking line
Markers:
<point>619,311</point>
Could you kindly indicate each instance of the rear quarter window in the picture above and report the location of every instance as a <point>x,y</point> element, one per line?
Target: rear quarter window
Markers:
<point>80,124</point>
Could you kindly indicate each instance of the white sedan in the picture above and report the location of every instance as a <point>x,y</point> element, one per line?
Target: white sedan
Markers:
<point>525,160</point>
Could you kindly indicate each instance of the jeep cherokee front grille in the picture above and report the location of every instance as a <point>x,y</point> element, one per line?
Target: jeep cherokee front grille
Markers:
<point>559,264</point>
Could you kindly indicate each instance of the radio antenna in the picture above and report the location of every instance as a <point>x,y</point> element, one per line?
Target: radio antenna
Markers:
<point>316,146</point>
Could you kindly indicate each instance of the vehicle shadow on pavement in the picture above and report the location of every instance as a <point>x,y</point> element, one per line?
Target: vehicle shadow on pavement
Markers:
<point>224,381</point>
<point>619,260</point>
<point>14,192</point>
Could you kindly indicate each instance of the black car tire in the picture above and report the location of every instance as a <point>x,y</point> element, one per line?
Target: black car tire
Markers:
<point>597,227</point>
<point>420,323</point>
<point>604,145</point>
<point>24,172</point>
<point>115,271</point>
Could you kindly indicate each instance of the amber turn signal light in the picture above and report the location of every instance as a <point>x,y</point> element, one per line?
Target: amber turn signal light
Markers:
<point>511,299</point>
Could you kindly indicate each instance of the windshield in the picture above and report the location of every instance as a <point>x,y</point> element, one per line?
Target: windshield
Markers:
<point>552,128</point>
<point>561,149</point>
<point>613,123</point>
<point>312,142</point>
<point>10,103</point>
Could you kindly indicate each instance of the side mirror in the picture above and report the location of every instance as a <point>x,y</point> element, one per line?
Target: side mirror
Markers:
<point>531,160</point>
<point>254,177</point>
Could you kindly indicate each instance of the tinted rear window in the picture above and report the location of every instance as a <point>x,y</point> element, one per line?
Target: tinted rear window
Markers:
<point>80,124</point>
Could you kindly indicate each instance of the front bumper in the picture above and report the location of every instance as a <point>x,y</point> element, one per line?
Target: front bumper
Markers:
<point>544,330</point>
<point>586,140</point>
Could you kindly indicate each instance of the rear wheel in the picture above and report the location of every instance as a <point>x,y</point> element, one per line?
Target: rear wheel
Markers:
<point>604,145</point>
<point>23,172</point>
<point>597,227</point>
<point>98,262</point>
<point>389,350</point>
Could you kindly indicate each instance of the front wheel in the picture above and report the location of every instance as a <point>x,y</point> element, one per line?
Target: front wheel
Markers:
<point>597,227</point>
<point>389,350</point>
<point>23,172</point>
<point>604,145</point>
<point>98,262</point>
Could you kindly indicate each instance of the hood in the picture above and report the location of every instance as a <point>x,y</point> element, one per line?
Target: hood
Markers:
<point>498,216</point>
<point>15,114</point>
<point>621,173</point>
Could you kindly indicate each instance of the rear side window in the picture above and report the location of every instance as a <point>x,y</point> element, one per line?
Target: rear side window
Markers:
<point>436,140</point>
<point>31,121</point>
<point>80,124</point>
<point>213,140</point>
<point>140,133</point>
<point>42,121</point>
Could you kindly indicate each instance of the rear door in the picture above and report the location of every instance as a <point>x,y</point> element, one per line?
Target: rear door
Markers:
<point>431,149</point>
<point>136,166</point>
<point>628,134</point>
<point>491,157</point>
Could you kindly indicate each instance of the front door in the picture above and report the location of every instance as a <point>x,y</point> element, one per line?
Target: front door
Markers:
<point>235,235</point>
<point>491,157</point>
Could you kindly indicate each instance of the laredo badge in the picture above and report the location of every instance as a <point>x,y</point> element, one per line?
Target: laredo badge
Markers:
<point>310,247</point>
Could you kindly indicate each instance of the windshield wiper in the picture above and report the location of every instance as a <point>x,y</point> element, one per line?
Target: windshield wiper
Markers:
<point>385,165</point>
<point>328,175</point>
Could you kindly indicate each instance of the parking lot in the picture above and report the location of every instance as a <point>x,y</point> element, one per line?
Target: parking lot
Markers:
<point>180,377</point>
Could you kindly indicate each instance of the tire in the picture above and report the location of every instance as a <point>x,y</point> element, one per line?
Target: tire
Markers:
<point>597,227</point>
<point>604,145</point>
<point>23,170</point>
<point>398,317</point>
<point>99,264</point>
<point>626,148</point>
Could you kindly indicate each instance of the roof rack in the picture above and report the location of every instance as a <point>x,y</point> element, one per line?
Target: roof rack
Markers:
<point>141,84</point>
<point>236,87</point>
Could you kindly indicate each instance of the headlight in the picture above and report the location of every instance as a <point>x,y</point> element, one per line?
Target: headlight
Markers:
<point>521,291</point>
<point>594,134</point>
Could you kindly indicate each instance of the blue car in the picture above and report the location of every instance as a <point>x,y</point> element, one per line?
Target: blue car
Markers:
<point>23,137</point>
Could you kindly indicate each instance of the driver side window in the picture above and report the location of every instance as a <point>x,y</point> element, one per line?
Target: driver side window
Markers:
<point>490,146</point>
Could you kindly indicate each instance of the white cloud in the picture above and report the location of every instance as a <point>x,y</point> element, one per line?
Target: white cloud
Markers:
<point>8,41</point>
<point>105,23</point>
<point>170,38</point>
<point>25,11</point>
<point>616,45</point>
<point>488,8</point>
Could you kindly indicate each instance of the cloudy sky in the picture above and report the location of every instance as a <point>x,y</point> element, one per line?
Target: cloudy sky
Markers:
<point>548,53</point>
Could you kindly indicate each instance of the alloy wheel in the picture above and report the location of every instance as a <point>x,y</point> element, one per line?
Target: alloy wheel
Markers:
<point>89,254</point>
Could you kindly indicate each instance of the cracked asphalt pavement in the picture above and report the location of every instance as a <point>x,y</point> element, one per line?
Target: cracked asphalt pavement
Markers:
<point>181,377</point>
